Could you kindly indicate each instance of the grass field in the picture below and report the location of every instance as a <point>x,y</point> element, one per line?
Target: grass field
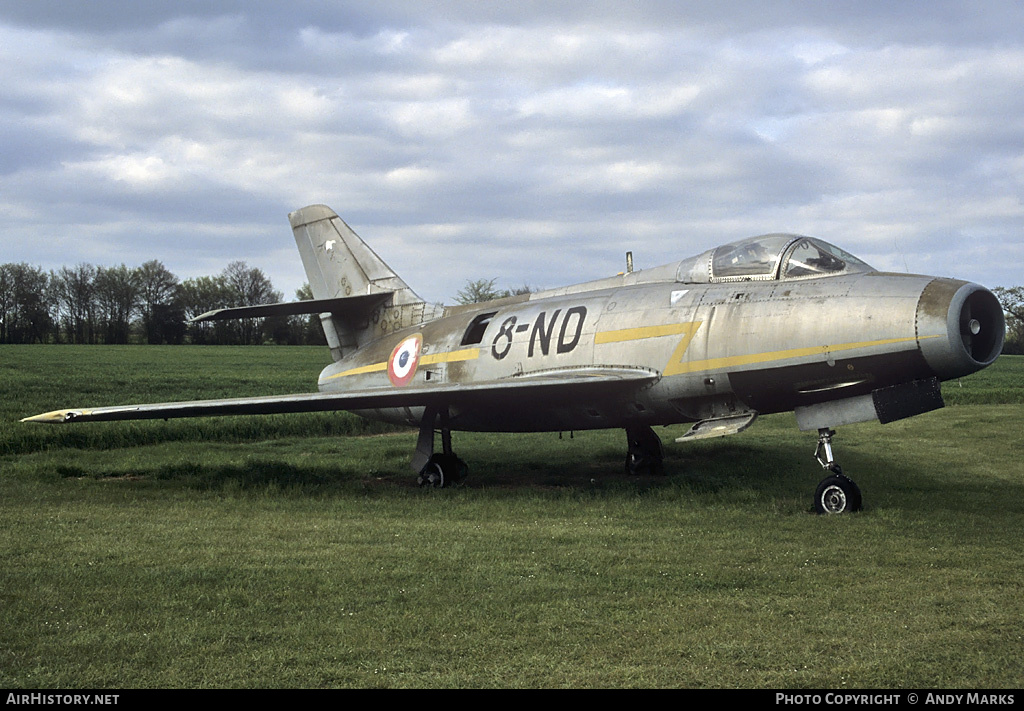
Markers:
<point>296,551</point>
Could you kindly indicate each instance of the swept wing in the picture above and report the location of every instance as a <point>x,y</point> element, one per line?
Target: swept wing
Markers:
<point>576,383</point>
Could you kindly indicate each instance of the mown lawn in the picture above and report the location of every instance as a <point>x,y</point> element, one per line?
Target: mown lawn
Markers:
<point>296,551</point>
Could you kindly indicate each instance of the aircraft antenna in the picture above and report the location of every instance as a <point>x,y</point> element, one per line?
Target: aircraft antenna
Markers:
<point>899,250</point>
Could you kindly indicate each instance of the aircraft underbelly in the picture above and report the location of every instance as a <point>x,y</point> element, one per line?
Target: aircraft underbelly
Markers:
<point>536,416</point>
<point>784,388</point>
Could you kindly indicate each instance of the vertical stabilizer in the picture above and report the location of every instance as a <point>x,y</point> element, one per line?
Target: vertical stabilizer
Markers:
<point>338,264</point>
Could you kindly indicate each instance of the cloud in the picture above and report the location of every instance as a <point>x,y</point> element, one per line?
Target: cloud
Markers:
<point>469,140</point>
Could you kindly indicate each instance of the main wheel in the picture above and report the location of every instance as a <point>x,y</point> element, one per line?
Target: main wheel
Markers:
<point>837,494</point>
<point>431,475</point>
<point>443,470</point>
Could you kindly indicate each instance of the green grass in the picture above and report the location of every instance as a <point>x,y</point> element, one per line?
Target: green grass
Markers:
<point>295,551</point>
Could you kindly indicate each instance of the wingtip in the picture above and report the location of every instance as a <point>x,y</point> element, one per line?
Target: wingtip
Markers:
<point>51,418</point>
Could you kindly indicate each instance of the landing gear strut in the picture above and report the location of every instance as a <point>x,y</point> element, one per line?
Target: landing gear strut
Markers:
<point>836,493</point>
<point>437,469</point>
<point>645,453</point>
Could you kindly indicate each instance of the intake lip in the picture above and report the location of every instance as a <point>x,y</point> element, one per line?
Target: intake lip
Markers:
<point>960,327</point>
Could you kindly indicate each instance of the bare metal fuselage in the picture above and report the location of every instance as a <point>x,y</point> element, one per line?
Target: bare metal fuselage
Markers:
<point>720,349</point>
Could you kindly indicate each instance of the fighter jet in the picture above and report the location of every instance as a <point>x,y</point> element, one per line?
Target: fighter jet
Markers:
<point>773,323</point>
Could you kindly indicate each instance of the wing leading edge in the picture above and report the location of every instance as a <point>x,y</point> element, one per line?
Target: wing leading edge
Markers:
<point>564,384</point>
<point>355,305</point>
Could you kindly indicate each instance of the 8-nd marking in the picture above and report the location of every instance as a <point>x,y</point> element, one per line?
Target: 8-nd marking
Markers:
<point>569,333</point>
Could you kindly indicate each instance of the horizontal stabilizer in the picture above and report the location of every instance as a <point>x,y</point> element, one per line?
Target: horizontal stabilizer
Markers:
<point>557,384</point>
<point>352,306</point>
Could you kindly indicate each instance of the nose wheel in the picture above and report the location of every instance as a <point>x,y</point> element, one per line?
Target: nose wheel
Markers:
<point>836,493</point>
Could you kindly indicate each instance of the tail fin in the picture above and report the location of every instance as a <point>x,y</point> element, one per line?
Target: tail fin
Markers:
<point>339,264</point>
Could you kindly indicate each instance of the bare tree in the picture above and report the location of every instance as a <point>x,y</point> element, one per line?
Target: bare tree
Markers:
<point>160,309</point>
<point>6,300</point>
<point>25,315</point>
<point>203,294</point>
<point>73,295</point>
<point>117,301</point>
<point>249,287</point>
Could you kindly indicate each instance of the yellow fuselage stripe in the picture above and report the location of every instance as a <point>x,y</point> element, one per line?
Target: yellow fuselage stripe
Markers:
<point>732,361</point>
<point>430,359</point>
<point>451,356</point>
<point>636,334</point>
<point>677,365</point>
<point>372,368</point>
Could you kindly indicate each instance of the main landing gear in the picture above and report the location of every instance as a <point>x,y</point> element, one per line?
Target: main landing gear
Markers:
<point>645,453</point>
<point>443,470</point>
<point>836,493</point>
<point>437,469</point>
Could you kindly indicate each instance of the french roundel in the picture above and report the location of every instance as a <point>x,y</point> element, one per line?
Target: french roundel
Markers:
<point>404,359</point>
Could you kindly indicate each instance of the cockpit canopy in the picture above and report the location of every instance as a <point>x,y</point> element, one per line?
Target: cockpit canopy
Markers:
<point>770,257</point>
<point>765,258</point>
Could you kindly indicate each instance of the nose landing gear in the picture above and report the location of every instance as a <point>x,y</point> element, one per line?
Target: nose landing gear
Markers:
<point>836,493</point>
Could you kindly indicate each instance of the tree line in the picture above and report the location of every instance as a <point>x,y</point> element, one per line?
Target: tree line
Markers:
<point>145,304</point>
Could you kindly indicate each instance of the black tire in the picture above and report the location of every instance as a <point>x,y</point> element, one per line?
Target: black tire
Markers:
<point>837,494</point>
<point>443,470</point>
<point>456,471</point>
<point>432,475</point>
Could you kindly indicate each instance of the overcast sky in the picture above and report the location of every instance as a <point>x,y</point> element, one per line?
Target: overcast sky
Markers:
<point>533,142</point>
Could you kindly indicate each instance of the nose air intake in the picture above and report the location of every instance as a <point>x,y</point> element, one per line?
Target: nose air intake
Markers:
<point>982,326</point>
<point>972,320</point>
